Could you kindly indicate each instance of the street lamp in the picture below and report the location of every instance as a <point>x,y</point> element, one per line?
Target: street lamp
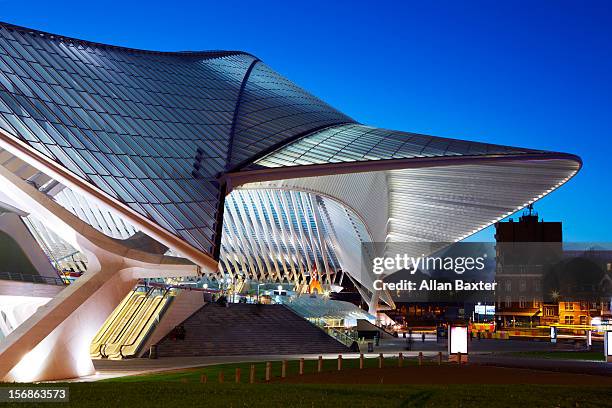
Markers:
<point>608,345</point>
<point>258,285</point>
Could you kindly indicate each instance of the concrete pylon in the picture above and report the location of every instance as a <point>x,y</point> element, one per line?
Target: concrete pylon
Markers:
<point>53,344</point>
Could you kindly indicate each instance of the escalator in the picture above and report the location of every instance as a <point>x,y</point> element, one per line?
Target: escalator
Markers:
<point>127,328</point>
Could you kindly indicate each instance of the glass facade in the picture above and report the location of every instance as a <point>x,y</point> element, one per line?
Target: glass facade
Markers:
<point>152,130</point>
<point>273,110</point>
<point>355,142</point>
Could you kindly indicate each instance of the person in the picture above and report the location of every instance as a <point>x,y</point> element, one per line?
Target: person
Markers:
<point>423,337</point>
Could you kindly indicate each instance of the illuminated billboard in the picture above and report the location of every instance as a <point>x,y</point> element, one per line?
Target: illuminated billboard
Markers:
<point>458,340</point>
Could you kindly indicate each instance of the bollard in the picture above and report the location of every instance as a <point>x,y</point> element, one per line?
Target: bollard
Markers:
<point>252,374</point>
<point>220,377</point>
<point>380,360</point>
<point>320,364</point>
<point>284,369</point>
<point>439,358</point>
<point>361,361</point>
<point>459,358</point>
<point>301,366</point>
<point>400,360</point>
<point>238,375</point>
<point>203,378</point>
<point>339,362</point>
<point>268,371</point>
<point>420,358</point>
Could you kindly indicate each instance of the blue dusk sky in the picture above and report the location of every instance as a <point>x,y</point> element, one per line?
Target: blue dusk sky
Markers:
<point>533,74</point>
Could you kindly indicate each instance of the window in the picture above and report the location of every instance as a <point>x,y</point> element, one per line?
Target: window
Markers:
<point>508,285</point>
<point>522,302</point>
<point>569,320</point>
<point>583,320</point>
<point>508,301</point>
<point>523,285</point>
<point>569,306</point>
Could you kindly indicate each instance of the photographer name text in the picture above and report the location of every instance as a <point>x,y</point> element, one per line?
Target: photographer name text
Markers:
<point>457,285</point>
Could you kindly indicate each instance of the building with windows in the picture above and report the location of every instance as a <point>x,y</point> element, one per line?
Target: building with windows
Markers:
<point>543,283</point>
<point>525,249</point>
<point>127,164</point>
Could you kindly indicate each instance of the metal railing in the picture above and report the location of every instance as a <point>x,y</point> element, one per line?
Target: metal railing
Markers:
<point>346,338</point>
<point>22,277</point>
<point>154,318</point>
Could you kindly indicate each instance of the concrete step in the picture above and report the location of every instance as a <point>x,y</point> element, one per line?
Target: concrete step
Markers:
<point>243,329</point>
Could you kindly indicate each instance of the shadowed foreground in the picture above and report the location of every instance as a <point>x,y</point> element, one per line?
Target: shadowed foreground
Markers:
<point>306,395</point>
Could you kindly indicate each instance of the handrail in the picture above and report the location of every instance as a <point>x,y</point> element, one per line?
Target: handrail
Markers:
<point>155,313</point>
<point>179,286</point>
<point>21,277</point>
<point>330,331</point>
<point>342,336</point>
<point>132,317</point>
<point>124,305</point>
<point>339,335</point>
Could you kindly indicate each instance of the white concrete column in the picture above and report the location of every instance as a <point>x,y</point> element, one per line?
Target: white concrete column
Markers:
<point>54,343</point>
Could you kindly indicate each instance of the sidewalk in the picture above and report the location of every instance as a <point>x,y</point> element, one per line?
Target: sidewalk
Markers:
<point>484,352</point>
<point>118,368</point>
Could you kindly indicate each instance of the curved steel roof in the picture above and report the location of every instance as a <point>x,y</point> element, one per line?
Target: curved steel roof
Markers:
<point>151,131</point>
<point>156,135</point>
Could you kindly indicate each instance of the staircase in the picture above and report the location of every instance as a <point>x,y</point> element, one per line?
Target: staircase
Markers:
<point>246,329</point>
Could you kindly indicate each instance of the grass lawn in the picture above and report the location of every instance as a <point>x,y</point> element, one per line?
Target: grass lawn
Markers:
<point>183,388</point>
<point>561,355</point>
<point>177,394</point>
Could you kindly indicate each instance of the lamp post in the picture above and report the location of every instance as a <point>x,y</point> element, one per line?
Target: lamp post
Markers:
<point>608,346</point>
<point>258,285</point>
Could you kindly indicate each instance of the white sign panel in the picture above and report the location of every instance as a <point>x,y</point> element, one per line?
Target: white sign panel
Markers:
<point>484,310</point>
<point>608,343</point>
<point>589,338</point>
<point>458,340</point>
